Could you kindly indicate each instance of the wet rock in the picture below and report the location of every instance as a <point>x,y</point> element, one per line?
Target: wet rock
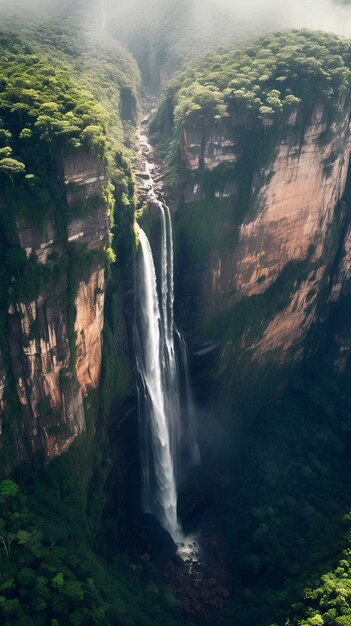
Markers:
<point>159,541</point>
<point>178,560</point>
<point>143,175</point>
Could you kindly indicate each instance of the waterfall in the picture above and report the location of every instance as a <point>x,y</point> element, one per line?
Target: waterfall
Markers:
<point>160,496</point>
<point>166,410</point>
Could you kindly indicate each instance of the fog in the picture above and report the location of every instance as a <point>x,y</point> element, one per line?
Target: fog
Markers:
<point>321,14</point>
<point>330,15</point>
<point>317,14</point>
<point>164,34</point>
<point>45,9</point>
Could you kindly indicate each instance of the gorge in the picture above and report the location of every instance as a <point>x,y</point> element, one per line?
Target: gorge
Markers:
<point>174,325</point>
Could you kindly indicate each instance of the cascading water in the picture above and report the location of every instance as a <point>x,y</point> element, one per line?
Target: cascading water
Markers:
<point>160,496</point>
<point>166,409</point>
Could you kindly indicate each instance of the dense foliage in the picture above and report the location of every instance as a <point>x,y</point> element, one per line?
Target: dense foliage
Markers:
<point>172,32</point>
<point>64,96</point>
<point>50,574</point>
<point>250,90</point>
<point>44,103</point>
<point>55,98</point>
<point>289,522</point>
<point>272,75</point>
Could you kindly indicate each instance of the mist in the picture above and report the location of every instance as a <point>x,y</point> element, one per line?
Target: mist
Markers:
<point>329,15</point>
<point>16,11</point>
<point>323,15</point>
<point>163,35</point>
<point>198,17</point>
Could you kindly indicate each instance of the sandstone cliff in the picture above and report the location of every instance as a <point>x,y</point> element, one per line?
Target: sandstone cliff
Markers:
<point>256,288</point>
<point>55,338</point>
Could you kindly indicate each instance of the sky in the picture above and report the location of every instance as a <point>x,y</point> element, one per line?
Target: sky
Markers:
<point>329,15</point>
<point>326,15</point>
<point>317,14</point>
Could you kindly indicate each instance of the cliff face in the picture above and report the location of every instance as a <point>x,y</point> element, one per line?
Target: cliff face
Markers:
<point>55,339</point>
<point>208,146</point>
<point>338,326</point>
<point>282,244</point>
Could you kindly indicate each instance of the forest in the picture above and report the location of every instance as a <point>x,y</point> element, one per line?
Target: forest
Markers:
<point>274,436</point>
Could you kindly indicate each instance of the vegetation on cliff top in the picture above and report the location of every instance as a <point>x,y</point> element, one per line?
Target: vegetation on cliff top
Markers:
<point>47,99</point>
<point>61,95</point>
<point>41,103</point>
<point>265,80</point>
<point>271,75</point>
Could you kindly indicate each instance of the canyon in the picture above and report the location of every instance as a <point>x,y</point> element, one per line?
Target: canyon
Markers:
<point>296,209</point>
<point>295,204</point>
<point>168,304</point>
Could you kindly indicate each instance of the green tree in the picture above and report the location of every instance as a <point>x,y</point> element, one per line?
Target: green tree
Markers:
<point>11,167</point>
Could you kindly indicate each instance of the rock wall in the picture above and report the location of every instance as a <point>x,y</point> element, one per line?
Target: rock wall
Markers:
<point>337,322</point>
<point>208,146</point>
<point>292,217</point>
<point>55,340</point>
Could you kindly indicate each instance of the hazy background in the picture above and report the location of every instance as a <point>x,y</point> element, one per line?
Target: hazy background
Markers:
<point>325,14</point>
<point>164,34</point>
<point>334,15</point>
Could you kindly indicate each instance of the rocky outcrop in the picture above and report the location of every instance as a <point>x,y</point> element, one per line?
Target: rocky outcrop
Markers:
<point>342,279</point>
<point>55,339</point>
<point>285,334</point>
<point>89,324</point>
<point>293,211</point>
<point>337,320</point>
<point>35,241</point>
<point>208,146</point>
<point>50,399</point>
<point>291,217</point>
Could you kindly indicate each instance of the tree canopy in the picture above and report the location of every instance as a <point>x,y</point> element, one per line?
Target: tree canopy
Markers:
<point>271,75</point>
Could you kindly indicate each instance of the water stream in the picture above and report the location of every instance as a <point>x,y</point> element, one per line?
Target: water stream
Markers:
<point>167,421</point>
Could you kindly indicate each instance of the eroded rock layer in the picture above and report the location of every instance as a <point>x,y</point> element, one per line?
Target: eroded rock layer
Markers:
<point>283,241</point>
<point>55,339</point>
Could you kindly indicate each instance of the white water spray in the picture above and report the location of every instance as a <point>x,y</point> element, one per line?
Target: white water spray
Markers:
<point>160,495</point>
<point>168,443</point>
